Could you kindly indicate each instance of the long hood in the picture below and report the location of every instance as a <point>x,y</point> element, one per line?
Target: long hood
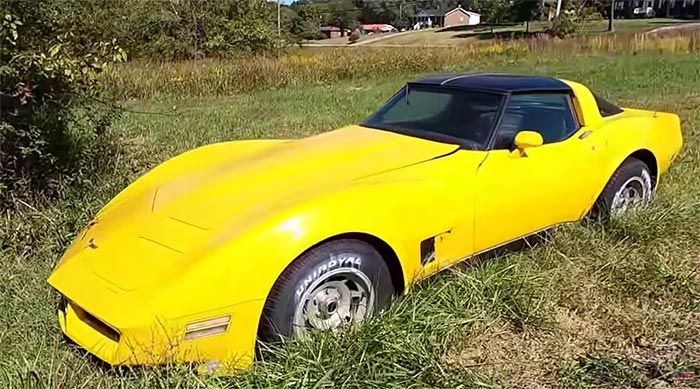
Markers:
<point>147,235</point>
<point>287,173</point>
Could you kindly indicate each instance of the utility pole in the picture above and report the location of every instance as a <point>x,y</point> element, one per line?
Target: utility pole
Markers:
<point>611,18</point>
<point>279,19</point>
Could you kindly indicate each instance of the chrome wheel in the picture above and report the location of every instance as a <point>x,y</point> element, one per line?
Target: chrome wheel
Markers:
<point>635,192</point>
<point>339,297</point>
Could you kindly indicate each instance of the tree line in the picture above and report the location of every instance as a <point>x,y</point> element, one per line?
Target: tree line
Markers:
<point>305,17</point>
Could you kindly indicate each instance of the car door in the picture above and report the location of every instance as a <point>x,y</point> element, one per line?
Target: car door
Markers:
<point>520,192</point>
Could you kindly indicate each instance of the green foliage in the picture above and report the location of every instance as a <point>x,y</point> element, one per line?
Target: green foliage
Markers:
<point>51,129</point>
<point>305,22</point>
<point>525,10</point>
<point>166,29</point>
<point>339,13</point>
<point>562,26</point>
<point>507,11</point>
<point>494,11</point>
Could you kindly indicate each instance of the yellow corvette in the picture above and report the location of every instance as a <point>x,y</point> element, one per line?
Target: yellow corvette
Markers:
<point>245,240</point>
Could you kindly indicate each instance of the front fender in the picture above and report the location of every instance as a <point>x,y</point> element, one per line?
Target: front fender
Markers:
<point>239,268</point>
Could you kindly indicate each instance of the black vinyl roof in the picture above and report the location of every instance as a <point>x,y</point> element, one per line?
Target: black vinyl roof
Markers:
<point>504,83</point>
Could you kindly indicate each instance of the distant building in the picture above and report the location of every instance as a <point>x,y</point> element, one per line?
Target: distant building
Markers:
<point>377,28</point>
<point>331,31</point>
<point>461,17</point>
<point>688,9</point>
<point>434,17</point>
<point>445,17</point>
<point>627,9</point>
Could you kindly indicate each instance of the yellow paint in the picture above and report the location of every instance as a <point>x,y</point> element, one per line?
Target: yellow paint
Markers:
<point>207,233</point>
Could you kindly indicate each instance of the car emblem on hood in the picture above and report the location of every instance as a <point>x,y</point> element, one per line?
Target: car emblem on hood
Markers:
<point>91,243</point>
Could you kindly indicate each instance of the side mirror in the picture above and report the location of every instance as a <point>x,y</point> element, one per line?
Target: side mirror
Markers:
<point>527,139</point>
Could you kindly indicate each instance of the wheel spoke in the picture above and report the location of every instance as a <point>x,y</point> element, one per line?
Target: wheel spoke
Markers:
<point>338,298</point>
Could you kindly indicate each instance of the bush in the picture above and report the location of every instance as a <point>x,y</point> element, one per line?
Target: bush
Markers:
<point>354,37</point>
<point>51,128</point>
<point>562,26</point>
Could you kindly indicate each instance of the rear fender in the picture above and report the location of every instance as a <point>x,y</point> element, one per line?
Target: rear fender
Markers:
<point>654,136</point>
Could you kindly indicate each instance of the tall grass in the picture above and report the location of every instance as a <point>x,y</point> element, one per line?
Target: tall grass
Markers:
<point>143,80</point>
<point>596,306</point>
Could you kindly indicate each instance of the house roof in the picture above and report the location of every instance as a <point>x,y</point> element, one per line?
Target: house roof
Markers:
<point>497,82</point>
<point>330,28</point>
<point>375,26</point>
<point>460,9</point>
<point>430,12</point>
<point>444,11</point>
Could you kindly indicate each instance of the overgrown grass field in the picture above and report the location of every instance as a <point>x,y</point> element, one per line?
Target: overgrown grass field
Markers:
<point>611,306</point>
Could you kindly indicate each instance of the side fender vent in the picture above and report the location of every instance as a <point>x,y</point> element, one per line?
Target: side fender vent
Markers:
<point>427,251</point>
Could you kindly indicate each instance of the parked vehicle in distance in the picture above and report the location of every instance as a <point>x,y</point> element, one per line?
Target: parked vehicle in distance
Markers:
<point>256,239</point>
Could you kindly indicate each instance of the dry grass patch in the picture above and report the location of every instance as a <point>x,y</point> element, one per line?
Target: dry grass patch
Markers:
<point>304,67</point>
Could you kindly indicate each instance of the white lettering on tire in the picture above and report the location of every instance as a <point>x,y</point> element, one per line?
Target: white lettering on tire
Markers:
<point>344,260</point>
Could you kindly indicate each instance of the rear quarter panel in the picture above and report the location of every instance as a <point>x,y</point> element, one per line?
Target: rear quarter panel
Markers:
<point>637,130</point>
<point>626,133</point>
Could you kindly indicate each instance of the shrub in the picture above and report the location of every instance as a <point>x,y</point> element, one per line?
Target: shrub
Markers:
<point>354,37</point>
<point>562,26</point>
<point>51,128</point>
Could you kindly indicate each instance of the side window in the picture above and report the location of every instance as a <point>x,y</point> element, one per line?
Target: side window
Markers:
<point>549,114</point>
<point>605,107</point>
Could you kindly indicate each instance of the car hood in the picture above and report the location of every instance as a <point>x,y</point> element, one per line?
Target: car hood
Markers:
<point>148,236</point>
<point>287,173</point>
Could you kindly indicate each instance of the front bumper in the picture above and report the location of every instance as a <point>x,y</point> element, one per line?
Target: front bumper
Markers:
<point>86,330</point>
<point>158,343</point>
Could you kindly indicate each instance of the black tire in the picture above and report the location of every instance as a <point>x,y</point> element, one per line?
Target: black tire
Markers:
<point>629,169</point>
<point>279,310</point>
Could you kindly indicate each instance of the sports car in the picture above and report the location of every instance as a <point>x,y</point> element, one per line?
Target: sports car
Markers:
<point>259,240</point>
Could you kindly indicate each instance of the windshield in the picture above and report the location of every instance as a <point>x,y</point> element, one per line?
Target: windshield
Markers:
<point>439,113</point>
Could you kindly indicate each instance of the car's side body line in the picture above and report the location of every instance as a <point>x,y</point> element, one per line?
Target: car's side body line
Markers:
<point>494,248</point>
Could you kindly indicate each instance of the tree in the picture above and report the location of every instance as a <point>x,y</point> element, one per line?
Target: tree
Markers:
<point>343,14</point>
<point>524,11</point>
<point>50,127</point>
<point>495,12</point>
<point>306,22</point>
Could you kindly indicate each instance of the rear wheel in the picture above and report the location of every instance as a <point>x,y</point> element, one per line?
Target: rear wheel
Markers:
<point>631,186</point>
<point>336,284</point>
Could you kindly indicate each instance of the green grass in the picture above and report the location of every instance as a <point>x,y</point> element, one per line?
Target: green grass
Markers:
<point>598,305</point>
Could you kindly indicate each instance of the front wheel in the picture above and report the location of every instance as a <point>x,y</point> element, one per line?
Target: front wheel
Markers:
<point>631,186</point>
<point>336,284</point>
